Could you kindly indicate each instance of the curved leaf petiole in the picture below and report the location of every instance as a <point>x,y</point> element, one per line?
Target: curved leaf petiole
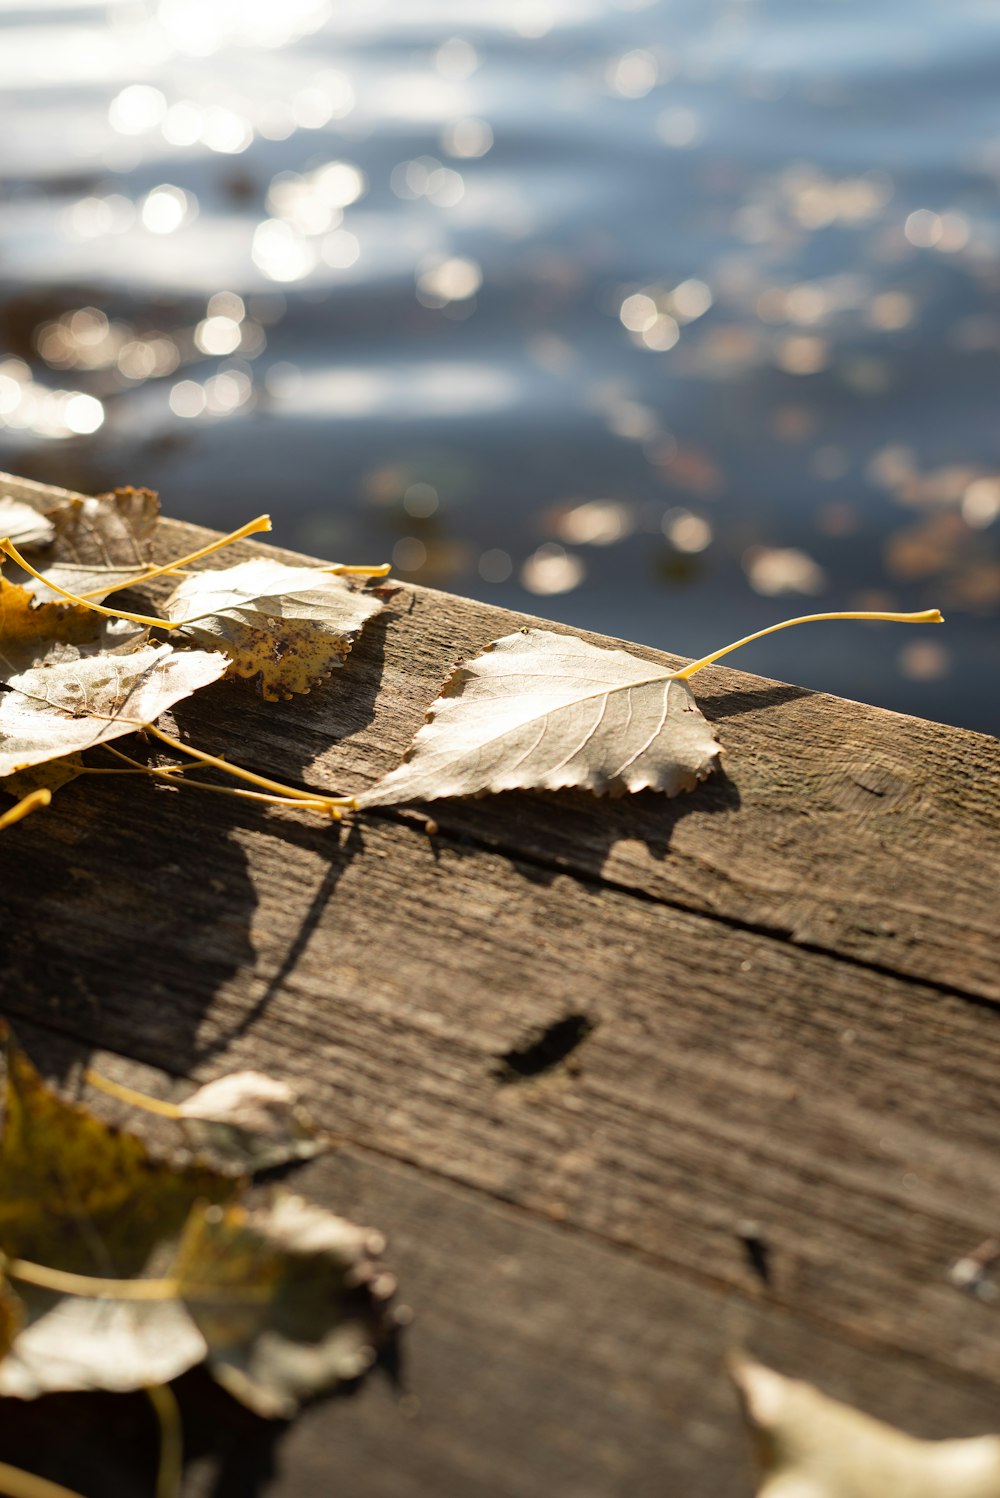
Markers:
<point>170,1469</point>
<point>131,1096</point>
<point>16,1483</point>
<point>33,801</point>
<point>171,773</point>
<point>7,546</point>
<point>927,616</point>
<point>336,805</point>
<point>252,528</point>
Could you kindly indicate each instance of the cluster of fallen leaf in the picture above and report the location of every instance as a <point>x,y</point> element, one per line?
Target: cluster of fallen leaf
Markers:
<point>77,673</point>
<point>120,1271</point>
<point>533,710</point>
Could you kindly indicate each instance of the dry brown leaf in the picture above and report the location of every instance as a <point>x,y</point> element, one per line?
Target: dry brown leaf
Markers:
<point>110,530</point>
<point>55,710</point>
<point>537,710</point>
<point>96,542</point>
<point>288,627</point>
<point>810,1446</point>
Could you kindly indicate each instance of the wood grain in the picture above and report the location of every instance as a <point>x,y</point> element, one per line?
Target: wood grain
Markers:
<point>539,1361</point>
<point>782,990</point>
<point>834,825</point>
<point>728,1074</point>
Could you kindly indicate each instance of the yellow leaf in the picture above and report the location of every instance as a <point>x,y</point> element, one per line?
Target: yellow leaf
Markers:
<point>29,632</point>
<point>80,1196</point>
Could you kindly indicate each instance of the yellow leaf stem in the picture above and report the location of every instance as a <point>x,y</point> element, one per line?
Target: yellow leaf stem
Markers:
<point>382,569</point>
<point>171,1464</point>
<point>927,616</point>
<point>7,546</point>
<point>32,802</point>
<point>63,1282</point>
<point>15,1483</point>
<point>252,528</point>
<point>131,1096</point>
<point>336,804</point>
<point>170,772</point>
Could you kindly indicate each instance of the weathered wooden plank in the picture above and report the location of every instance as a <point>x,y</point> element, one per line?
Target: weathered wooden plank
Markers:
<point>779,1016</point>
<point>838,826</point>
<point>728,1074</point>
<point>540,1362</point>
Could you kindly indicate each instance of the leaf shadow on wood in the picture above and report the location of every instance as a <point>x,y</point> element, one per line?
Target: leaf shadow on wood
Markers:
<point>126,929</point>
<point>737,701</point>
<point>340,846</point>
<point>134,901</point>
<point>229,1452</point>
<point>548,833</point>
<point>289,737</point>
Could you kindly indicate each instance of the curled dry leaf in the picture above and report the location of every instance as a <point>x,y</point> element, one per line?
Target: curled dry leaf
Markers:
<point>537,710</point>
<point>251,1120</point>
<point>109,530</point>
<point>25,526</point>
<point>810,1444</point>
<point>318,1310</point>
<point>79,1196</point>
<point>56,710</point>
<point>286,626</point>
<point>95,542</point>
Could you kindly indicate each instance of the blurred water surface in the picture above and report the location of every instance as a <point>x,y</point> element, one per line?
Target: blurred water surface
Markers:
<point>667,318</point>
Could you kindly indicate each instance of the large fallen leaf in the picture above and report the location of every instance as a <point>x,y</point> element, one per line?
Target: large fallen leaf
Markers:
<point>809,1446</point>
<point>287,626</point>
<point>287,1298</point>
<point>79,1196</point>
<point>545,711</point>
<point>54,710</point>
